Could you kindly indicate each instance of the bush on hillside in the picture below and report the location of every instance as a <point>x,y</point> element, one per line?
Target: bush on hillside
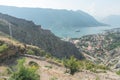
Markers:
<point>24,73</point>
<point>118,72</point>
<point>32,63</point>
<point>31,52</point>
<point>72,64</point>
<point>3,48</point>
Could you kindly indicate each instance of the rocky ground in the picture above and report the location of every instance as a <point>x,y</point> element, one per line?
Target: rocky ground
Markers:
<point>50,71</point>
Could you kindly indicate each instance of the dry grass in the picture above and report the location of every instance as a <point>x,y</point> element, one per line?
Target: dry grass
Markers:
<point>10,41</point>
<point>3,70</point>
<point>14,42</point>
<point>58,72</point>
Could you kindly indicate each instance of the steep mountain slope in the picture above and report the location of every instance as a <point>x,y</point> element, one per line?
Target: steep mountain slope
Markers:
<point>10,47</point>
<point>101,48</point>
<point>113,20</point>
<point>48,68</point>
<point>28,32</point>
<point>58,21</point>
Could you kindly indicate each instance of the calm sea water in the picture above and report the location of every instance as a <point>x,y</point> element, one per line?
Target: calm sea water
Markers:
<point>78,32</point>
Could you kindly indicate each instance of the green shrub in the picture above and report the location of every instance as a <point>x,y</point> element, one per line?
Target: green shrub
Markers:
<point>54,78</point>
<point>48,55</point>
<point>118,72</point>
<point>49,67</point>
<point>71,64</point>
<point>24,73</point>
<point>88,65</point>
<point>3,48</point>
<point>102,67</point>
<point>97,78</point>
<point>32,63</point>
<point>39,51</point>
<point>31,52</point>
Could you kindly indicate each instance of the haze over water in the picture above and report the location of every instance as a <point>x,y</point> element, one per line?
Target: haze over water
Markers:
<point>97,8</point>
<point>82,31</point>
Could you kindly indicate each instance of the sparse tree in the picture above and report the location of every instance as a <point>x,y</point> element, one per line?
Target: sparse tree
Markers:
<point>72,64</point>
<point>24,73</point>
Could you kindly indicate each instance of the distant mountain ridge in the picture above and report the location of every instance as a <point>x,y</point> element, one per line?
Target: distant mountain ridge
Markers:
<point>58,21</point>
<point>113,20</point>
<point>29,33</point>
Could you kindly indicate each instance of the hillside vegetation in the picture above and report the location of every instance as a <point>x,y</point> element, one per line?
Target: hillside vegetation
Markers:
<point>29,33</point>
<point>44,66</point>
<point>10,48</point>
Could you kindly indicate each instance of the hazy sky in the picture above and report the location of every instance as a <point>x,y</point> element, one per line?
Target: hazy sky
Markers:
<point>97,8</point>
